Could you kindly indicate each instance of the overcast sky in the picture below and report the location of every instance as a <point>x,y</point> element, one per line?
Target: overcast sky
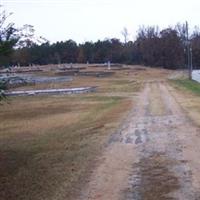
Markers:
<point>90,20</point>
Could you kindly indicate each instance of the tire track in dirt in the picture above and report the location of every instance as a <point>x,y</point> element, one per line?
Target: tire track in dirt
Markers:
<point>149,159</point>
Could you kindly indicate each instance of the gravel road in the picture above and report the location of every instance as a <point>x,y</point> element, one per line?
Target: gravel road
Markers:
<point>154,156</point>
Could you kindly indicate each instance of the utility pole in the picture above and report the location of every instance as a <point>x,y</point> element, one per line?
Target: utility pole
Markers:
<point>191,61</point>
<point>189,53</point>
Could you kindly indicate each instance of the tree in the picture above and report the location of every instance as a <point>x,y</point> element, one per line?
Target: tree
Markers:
<point>12,38</point>
<point>172,49</point>
<point>148,45</point>
<point>125,34</point>
<point>81,57</point>
<point>27,37</point>
<point>161,48</point>
<point>9,36</point>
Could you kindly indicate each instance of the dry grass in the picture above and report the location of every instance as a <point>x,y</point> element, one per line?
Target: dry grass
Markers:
<point>48,144</point>
<point>187,94</point>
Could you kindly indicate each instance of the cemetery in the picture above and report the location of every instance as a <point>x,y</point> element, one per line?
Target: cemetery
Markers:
<point>97,103</point>
<point>16,77</point>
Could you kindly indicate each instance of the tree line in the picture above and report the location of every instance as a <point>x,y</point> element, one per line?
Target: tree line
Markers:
<point>152,47</point>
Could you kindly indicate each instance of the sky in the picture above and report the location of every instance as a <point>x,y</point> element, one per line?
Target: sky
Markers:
<point>90,20</point>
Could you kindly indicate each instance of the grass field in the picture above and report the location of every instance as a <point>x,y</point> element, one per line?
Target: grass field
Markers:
<point>187,94</point>
<point>48,144</point>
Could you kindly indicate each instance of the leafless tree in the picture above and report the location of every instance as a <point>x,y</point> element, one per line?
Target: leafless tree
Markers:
<point>125,34</point>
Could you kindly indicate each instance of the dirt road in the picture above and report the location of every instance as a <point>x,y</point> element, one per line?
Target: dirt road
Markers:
<point>155,156</point>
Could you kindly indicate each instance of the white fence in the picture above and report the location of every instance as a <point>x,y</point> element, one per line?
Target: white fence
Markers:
<point>196,75</point>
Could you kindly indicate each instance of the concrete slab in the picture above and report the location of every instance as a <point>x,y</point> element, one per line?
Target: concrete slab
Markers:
<point>51,91</point>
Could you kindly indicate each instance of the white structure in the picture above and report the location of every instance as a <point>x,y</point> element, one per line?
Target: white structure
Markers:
<point>51,91</point>
<point>196,75</point>
<point>108,65</point>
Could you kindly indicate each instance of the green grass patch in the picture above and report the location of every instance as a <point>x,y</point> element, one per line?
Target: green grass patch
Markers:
<point>189,85</point>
